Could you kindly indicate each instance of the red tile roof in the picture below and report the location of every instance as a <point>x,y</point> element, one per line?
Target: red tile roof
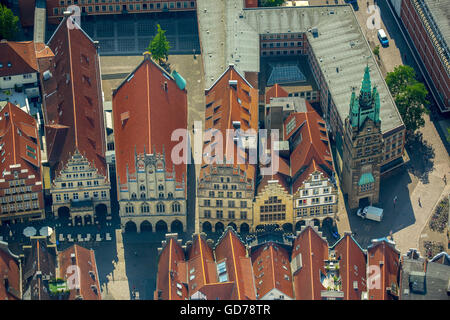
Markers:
<point>9,269</point>
<point>226,104</point>
<point>352,267</point>
<point>272,270</point>
<point>275,91</point>
<point>239,268</point>
<point>84,259</point>
<point>313,152</point>
<point>20,139</point>
<point>171,273</point>
<point>383,255</point>
<point>21,56</point>
<point>314,250</point>
<point>145,115</point>
<point>202,267</point>
<point>73,100</point>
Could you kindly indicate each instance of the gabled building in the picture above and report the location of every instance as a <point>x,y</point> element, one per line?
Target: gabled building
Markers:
<point>21,189</point>
<point>74,127</point>
<point>51,275</point>
<point>148,107</point>
<point>383,261</point>
<point>198,271</point>
<point>363,142</point>
<point>18,65</point>
<point>10,274</point>
<point>273,265</point>
<point>303,188</point>
<point>226,186</point>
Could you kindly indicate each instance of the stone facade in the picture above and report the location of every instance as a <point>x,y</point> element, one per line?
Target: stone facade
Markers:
<point>316,199</point>
<point>80,193</point>
<point>224,197</point>
<point>151,198</point>
<point>362,148</point>
<point>273,205</point>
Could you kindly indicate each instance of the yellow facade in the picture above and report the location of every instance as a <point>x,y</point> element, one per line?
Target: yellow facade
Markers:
<point>273,205</point>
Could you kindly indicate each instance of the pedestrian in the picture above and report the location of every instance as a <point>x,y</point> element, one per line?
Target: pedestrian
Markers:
<point>420,204</point>
<point>445,179</point>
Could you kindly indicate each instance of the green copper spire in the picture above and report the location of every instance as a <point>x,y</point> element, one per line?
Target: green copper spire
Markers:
<point>366,86</point>
<point>376,95</point>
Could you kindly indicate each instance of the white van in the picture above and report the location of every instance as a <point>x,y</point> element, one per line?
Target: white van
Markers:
<point>383,38</point>
<point>372,213</point>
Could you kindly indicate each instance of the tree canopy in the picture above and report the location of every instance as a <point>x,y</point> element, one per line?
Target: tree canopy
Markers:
<point>159,46</point>
<point>410,96</point>
<point>8,23</point>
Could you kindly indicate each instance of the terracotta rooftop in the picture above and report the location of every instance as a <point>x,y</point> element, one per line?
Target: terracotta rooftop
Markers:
<point>10,286</point>
<point>272,270</point>
<point>144,106</point>
<point>17,58</point>
<point>19,138</point>
<point>84,259</point>
<point>382,253</point>
<point>313,250</point>
<point>352,267</point>
<point>275,91</point>
<point>229,100</point>
<point>73,100</point>
<point>171,273</point>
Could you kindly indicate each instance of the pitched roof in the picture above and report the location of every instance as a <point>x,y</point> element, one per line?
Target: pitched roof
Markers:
<point>20,140</point>
<point>40,259</point>
<point>352,266</point>
<point>73,100</point>
<point>228,103</point>
<point>20,56</point>
<point>313,151</point>
<point>202,266</point>
<point>313,250</point>
<point>10,271</point>
<point>170,279</point>
<point>275,91</point>
<point>84,259</point>
<point>272,270</point>
<point>143,113</point>
<point>238,265</point>
<point>382,253</point>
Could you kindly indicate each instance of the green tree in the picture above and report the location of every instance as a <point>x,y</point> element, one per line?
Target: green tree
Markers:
<point>376,51</point>
<point>400,78</point>
<point>159,46</point>
<point>8,23</point>
<point>270,3</point>
<point>410,96</point>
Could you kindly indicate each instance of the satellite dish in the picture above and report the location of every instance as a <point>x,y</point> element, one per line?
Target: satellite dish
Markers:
<point>46,231</point>
<point>29,232</point>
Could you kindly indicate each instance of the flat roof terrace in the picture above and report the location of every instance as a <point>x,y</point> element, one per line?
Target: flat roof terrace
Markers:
<point>230,34</point>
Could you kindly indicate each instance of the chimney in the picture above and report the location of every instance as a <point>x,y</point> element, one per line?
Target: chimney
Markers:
<point>67,13</point>
<point>233,84</point>
<point>72,257</point>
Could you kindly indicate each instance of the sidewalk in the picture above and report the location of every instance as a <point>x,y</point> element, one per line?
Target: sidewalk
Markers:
<point>117,287</point>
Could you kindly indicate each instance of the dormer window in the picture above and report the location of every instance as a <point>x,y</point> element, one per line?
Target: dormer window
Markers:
<point>9,65</point>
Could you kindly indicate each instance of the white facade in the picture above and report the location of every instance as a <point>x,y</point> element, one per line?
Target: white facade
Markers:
<point>152,194</point>
<point>8,82</point>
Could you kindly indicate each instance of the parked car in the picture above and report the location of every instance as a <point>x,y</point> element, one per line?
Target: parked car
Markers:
<point>383,38</point>
<point>371,213</point>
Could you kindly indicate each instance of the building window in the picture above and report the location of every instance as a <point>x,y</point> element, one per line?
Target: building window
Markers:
<point>207,203</point>
<point>219,214</point>
<point>103,194</point>
<point>244,215</point>
<point>176,207</point>
<point>143,195</point>
<point>160,187</point>
<point>231,215</point>
<point>207,214</point>
<point>75,196</point>
<point>66,197</point>
<point>145,208</point>
<point>129,208</point>
<point>86,195</point>
<point>142,187</point>
<point>133,196</point>
<point>58,198</point>
<point>243,204</point>
<point>219,203</point>
<point>160,207</point>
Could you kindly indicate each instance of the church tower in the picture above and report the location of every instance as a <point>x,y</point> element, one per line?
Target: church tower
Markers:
<point>362,149</point>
